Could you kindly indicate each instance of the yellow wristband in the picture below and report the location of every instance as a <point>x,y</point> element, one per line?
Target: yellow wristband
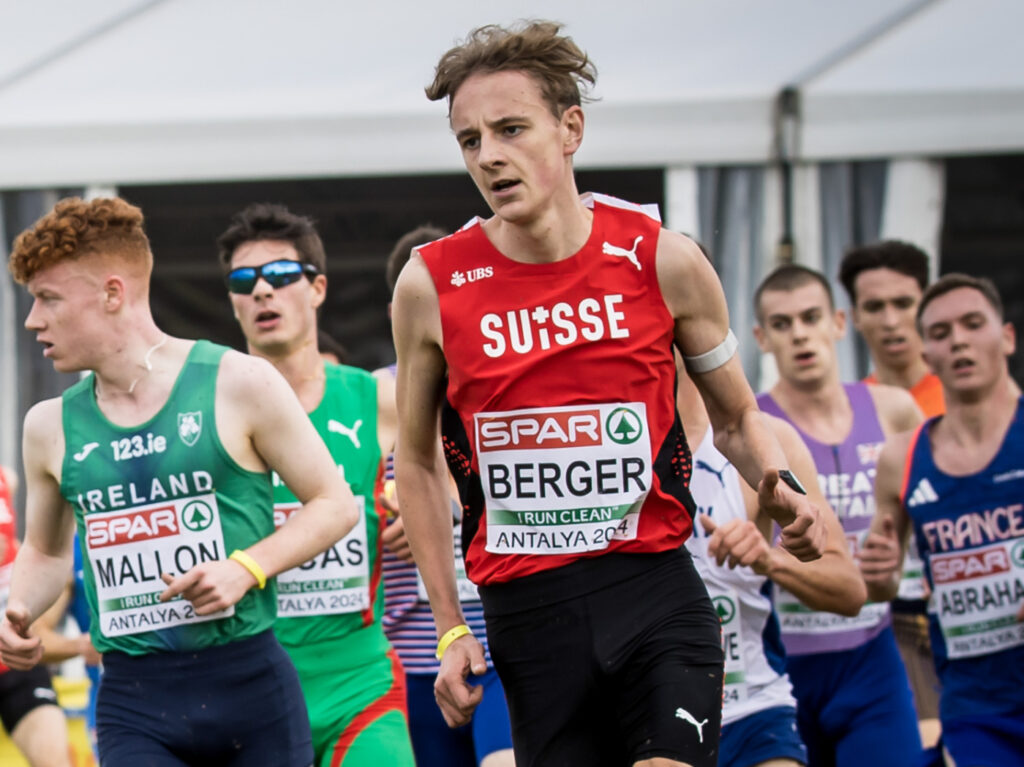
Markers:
<point>450,636</point>
<point>251,565</point>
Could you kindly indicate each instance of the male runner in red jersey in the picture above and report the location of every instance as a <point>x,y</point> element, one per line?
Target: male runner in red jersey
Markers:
<point>554,321</point>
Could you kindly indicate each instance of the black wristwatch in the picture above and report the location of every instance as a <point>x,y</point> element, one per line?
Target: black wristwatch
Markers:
<point>787,476</point>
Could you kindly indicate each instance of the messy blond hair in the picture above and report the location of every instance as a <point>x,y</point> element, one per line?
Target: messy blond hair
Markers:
<point>76,228</point>
<point>561,69</point>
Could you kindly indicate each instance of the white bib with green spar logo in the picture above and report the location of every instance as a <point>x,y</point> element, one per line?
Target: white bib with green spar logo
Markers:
<point>977,596</point>
<point>563,480</point>
<point>727,604</point>
<point>128,549</point>
<point>335,581</point>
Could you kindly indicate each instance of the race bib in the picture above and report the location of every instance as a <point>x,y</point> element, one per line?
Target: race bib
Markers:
<point>977,596</point>
<point>727,605</point>
<point>912,585</point>
<point>334,581</point>
<point>563,480</point>
<point>797,618</point>
<point>466,588</point>
<point>128,549</point>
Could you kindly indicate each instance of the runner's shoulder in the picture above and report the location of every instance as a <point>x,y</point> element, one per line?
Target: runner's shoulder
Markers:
<point>44,418</point>
<point>892,459</point>
<point>44,433</point>
<point>245,375</point>
<point>896,407</point>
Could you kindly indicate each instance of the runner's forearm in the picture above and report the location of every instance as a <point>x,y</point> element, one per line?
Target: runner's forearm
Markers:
<point>751,446</point>
<point>38,579</point>
<point>829,584</point>
<point>321,522</point>
<point>426,513</point>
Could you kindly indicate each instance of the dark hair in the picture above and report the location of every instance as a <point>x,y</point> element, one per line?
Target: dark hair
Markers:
<point>326,343</point>
<point>267,221</point>
<point>400,254</point>
<point>954,280</point>
<point>558,65</point>
<point>76,228</point>
<point>899,256</point>
<point>790,277</point>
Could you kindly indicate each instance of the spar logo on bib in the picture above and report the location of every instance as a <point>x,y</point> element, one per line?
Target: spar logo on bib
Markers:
<point>542,429</point>
<point>973,564</point>
<point>725,608</point>
<point>624,426</point>
<point>113,530</point>
<point>196,516</point>
<point>1017,554</point>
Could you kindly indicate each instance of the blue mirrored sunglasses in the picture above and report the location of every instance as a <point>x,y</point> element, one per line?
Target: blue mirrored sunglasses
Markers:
<point>276,273</point>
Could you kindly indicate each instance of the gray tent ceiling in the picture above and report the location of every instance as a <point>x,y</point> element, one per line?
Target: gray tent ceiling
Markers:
<point>133,91</point>
<point>947,80</point>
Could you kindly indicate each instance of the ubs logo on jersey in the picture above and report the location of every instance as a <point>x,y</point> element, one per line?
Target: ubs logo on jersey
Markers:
<point>472,275</point>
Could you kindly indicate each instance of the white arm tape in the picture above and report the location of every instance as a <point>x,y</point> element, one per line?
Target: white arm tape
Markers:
<point>708,361</point>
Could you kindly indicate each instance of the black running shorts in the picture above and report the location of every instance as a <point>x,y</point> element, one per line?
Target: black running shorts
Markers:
<point>22,691</point>
<point>630,670</point>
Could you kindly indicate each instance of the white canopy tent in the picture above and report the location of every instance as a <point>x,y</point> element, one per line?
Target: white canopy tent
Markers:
<point>948,80</point>
<point>132,91</point>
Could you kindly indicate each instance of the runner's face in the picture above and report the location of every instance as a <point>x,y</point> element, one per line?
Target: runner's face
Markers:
<point>964,341</point>
<point>67,313</point>
<point>885,315</point>
<point>800,328</point>
<point>517,152</point>
<point>276,321</point>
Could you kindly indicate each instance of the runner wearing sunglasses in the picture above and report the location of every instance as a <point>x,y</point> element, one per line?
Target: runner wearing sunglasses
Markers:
<point>329,609</point>
<point>162,457</point>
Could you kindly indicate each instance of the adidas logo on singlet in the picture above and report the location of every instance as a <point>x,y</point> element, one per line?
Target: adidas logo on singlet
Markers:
<point>923,493</point>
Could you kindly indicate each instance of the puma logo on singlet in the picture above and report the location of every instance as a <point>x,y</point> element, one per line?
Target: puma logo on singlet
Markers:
<point>706,467</point>
<point>686,716</point>
<point>340,428</point>
<point>82,454</point>
<point>615,250</point>
<point>45,693</point>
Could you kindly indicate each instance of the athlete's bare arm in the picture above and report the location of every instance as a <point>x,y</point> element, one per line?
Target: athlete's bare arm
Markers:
<point>832,583</point>
<point>694,297</point>
<point>45,557</point>
<point>423,480</point>
<point>262,425</point>
<point>387,411</point>
<point>58,647</point>
<point>897,409</point>
<point>881,556</point>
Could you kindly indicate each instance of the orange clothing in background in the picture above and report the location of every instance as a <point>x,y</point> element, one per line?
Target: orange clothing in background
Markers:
<point>927,392</point>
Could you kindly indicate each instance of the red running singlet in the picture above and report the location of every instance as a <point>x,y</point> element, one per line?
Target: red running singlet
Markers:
<point>560,424</point>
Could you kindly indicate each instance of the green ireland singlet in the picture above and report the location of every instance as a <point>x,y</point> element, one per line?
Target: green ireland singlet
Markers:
<point>161,497</point>
<point>339,591</point>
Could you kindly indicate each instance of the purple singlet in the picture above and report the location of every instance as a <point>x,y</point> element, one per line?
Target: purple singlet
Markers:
<point>846,473</point>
